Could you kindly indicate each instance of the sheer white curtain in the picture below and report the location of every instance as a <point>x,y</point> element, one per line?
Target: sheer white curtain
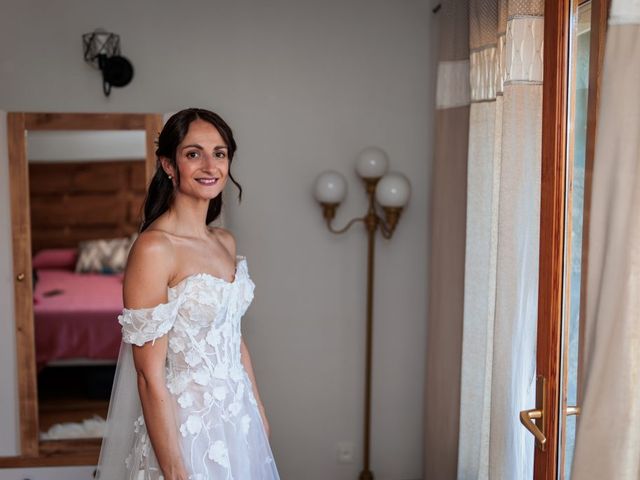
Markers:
<point>502,240</point>
<point>608,435</point>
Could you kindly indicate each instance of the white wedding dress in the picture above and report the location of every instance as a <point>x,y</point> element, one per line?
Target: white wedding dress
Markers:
<point>222,436</point>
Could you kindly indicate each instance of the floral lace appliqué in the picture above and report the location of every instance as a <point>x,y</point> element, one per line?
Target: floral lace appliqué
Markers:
<point>218,422</point>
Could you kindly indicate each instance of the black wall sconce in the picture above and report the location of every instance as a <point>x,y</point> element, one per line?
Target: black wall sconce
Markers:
<point>102,50</point>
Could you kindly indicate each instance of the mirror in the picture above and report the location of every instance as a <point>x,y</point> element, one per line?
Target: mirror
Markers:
<point>86,190</point>
<point>77,186</point>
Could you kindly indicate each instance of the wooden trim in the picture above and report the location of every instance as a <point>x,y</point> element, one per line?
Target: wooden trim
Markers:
<point>34,452</point>
<point>21,238</point>
<point>54,453</point>
<point>599,17</point>
<point>552,223</point>
<point>85,121</point>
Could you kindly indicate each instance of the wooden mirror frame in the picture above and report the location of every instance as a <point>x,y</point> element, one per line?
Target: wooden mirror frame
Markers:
<point>33,451</point>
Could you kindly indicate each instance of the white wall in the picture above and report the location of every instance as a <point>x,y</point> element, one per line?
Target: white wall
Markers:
<point>305,85</point>
<point>9,441</point>
<point>74,146</point>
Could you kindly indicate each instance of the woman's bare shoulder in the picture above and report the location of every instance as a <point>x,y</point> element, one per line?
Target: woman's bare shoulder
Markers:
<point>152,252</point>
<point>152,242</point>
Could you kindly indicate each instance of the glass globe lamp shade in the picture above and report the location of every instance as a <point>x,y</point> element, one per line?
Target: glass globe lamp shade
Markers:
<point>330,187</point>
<point>393,190</point>
<point>372,163</point>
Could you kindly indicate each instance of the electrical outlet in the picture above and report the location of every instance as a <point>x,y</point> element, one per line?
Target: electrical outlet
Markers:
<point>345,452</point>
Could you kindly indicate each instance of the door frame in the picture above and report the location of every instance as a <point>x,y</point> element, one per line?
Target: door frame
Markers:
<point>555,107</point>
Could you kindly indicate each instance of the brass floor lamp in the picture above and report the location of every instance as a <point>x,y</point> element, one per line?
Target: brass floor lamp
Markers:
<point>391,192</point>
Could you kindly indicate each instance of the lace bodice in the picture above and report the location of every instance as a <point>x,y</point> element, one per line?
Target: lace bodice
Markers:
<point>202,317</point>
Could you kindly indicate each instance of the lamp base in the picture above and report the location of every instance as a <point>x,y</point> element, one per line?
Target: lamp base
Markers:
<point>366,475</point>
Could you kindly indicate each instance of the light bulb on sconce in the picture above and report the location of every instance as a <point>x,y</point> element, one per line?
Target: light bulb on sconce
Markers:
<point>391,192</point>
<point>372,163</point>
<point>330,190</point>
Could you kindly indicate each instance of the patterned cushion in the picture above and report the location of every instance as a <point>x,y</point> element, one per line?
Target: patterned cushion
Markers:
<point>104,256</point>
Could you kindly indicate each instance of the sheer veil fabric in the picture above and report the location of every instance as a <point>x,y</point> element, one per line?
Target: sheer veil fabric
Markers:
<point>124,409</point>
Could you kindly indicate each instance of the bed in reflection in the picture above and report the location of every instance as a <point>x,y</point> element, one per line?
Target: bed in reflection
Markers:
<point>74,312</point>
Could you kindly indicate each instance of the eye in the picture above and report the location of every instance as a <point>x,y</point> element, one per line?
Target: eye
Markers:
<point>221,154</point>
<point>193,154</point>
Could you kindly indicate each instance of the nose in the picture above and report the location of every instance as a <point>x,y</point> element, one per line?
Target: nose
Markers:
<point>209,162</point>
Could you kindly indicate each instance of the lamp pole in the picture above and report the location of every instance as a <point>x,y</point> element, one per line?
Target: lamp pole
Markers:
<point>392,192</point>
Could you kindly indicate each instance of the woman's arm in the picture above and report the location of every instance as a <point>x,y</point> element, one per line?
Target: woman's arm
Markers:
<point>157,407</point>
<point>145,285</point>
<point>246,361</point>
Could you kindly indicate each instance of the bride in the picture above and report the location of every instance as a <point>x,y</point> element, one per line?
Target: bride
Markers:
<point>185,404</point>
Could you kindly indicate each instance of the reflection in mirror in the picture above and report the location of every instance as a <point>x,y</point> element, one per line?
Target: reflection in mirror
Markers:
<point>86,192</point>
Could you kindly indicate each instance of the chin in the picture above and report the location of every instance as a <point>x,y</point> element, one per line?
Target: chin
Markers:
<point>210,196</point>
<point>200,195</point>
<point>207,193</point>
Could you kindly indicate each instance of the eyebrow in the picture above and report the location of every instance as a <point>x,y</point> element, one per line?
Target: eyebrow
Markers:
<point>195,145</point>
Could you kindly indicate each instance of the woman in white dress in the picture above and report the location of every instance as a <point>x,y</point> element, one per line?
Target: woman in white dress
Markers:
<point>196,412</point>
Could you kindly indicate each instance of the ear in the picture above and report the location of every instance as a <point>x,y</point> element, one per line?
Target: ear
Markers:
<point>167,167</point>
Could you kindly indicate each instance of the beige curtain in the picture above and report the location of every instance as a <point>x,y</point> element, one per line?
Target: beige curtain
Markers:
<point>501,270</point>
<point>608,435</point>
<point>446,278</point>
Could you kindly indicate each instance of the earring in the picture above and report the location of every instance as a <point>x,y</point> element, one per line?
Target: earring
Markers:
<point>170,176</point>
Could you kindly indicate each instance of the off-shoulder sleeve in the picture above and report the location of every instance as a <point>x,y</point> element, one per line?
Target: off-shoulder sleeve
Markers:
<point>141,325</point>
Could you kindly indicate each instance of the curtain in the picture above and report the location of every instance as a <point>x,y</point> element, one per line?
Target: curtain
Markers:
<point>448,213</point>
<point>502,239</point>
<point>608,433</point>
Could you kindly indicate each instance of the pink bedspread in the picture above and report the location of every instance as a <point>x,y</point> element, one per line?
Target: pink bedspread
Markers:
<point>81,321</point>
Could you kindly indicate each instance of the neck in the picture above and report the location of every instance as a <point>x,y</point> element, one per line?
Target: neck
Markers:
<point>189,215</point>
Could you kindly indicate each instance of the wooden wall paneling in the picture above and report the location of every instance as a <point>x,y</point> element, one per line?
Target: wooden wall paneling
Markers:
<point>138,179</point>
<point>69,238</point>
<point>135,211</point>
<point>81,210</point>
<point>94,177</point>
<point>21,238</point>
<point>153,126</point>
<point>43,180</point>
<point>95,200</point>
<point>75,177</point>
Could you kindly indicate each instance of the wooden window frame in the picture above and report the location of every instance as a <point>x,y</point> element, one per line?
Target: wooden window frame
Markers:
<point>557,16</point>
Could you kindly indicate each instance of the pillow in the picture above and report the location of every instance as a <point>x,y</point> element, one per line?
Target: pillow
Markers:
<point>104,255</point>
<point>55,258</point>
